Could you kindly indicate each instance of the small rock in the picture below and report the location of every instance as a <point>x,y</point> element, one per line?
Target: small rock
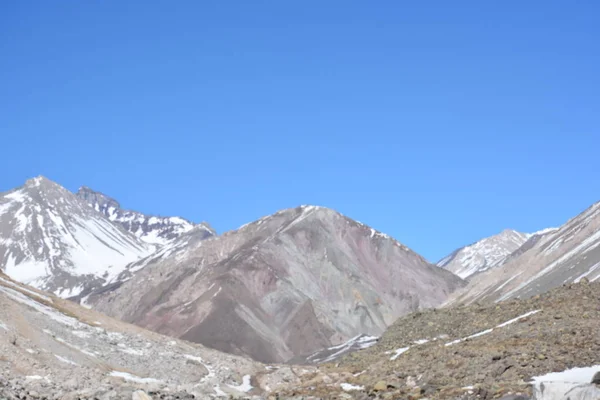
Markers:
<point>380,386</point>
<point>541,357</point>
<point>140,395</point>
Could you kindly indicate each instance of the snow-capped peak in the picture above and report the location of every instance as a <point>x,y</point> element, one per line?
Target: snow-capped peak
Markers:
<point>484,254</point>
<point>543,232</point>
<point>151,229</point>
<point>52,240</point>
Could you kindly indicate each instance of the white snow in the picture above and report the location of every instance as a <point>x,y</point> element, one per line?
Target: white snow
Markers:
<point>26,271</point>
<point>3,326</point>
<point>133,378</point>
<point>97,244</point>
<point>34,377</point>
<point>65,360</point>
<point>555,385</point>
<point>398,352</point>
<point>421,341</point>
<point>349,387</point>
<point>512,321</point>
<point>507,282</point>
<point>485,332</point>
<point>128,350</point>
<point>245,386</point>
<point>24,289</point>
<point>484,254</point>
<point>543,231</point>
<point>219,392</point>
<point>218,291</point>
<point>360,341</point>
<point>50,312</point>
<point>30,351</point>
<point>5,207</point>
<point>590,243</point>
<point>591,270</point>
<point>83,302</point>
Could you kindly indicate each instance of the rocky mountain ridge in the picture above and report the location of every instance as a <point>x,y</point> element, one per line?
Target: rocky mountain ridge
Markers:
<point>484,254</point>
<point>567,254</point>
<point>51,240</point>
<point>149,228</point>
<point>70,243</point>
<point>288,284</point>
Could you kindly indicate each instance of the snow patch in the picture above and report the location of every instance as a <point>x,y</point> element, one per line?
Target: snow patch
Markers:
<point>398,352</point>
<point>65,360</point>
<point>555,385</point>
<point>485,332</point>
<point>132,378</point>
<point>245,386</point>
<point>50,312</point>
<point>219,392</point>
<point>349,387</point>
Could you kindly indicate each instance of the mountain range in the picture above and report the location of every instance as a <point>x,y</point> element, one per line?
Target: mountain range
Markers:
<point>303,285</point>
<point>291,283</point>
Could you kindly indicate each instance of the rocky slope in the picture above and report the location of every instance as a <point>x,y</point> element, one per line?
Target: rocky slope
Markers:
<point>545,261</point>
<point>484,254</point>
<point>52,240</point>
<point>149,228</point>
<point>474,352</point>
<point>286,285</point>
<point>51,348</point>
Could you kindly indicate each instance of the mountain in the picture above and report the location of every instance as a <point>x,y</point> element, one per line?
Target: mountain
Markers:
<point>51,348</point>
<point>547,260</point>
<point>149,228</point>
<point>287,285</point>
<point>52,240</point>
<point>545,345</point>
<point>484,254</point>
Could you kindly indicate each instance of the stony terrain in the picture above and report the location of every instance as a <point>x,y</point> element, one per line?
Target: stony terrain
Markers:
<point>51,348</point>
<point>470,352</point>
<point>289,284</point>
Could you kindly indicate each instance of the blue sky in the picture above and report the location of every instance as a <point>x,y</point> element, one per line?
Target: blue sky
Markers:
<point>438,124</point>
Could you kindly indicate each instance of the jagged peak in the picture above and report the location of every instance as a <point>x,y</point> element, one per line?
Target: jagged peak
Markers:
<point>40,180</point>
<point>92,196</point>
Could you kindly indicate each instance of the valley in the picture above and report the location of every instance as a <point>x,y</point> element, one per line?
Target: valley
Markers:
<point>105,302</point>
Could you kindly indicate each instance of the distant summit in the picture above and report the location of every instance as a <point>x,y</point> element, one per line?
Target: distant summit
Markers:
<point>149,228</point>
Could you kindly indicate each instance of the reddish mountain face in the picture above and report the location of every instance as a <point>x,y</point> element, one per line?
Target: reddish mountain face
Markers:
<point>288,284</point>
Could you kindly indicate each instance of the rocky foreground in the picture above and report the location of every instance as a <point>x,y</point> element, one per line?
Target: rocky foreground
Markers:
<point>51,348</point>
<point>470,352</point>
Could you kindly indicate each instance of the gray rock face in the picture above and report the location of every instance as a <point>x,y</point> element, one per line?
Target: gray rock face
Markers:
<point>52,240</point>
<point>289,284</point>
<point>483,255</point>
<point>149,228</point>
<point>547,260</point>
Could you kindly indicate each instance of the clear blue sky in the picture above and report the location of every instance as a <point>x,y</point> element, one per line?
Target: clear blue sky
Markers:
<point>437,124</point>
